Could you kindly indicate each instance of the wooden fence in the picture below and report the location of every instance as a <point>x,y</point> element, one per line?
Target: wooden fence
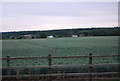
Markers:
<point>89,76</point>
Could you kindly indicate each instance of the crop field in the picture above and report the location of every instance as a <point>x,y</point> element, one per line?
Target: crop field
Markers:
<point>97,45</point>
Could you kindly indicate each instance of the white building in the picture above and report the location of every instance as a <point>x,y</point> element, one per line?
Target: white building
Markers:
<point>50,36</point>
<point>74,35</point>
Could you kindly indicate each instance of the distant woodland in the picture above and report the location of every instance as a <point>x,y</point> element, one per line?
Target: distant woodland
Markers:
<point>64,33</point>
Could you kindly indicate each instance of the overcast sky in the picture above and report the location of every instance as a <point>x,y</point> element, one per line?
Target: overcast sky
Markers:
<point>23,16</point>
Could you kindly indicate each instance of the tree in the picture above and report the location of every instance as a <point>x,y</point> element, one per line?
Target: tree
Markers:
<point>43,35</point>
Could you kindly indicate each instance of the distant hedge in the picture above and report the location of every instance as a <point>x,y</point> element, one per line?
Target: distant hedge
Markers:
<point>66,32</point>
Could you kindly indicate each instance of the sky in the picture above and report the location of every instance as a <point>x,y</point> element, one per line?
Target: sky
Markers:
<point>31,16</point>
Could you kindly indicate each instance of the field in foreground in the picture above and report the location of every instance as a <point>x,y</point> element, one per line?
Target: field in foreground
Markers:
<point>101,45</point>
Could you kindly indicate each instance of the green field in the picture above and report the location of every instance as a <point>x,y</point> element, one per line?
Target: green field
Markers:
<point>101,45</point>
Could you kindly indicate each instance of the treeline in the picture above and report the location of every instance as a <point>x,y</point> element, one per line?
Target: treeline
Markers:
<point>66,32</point>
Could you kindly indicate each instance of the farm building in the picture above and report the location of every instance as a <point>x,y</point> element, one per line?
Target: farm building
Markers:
<point>80,35</point>
<point>50,36</point>
<point>74,35</point>
<point>29,36</point>
<point>12,37</point>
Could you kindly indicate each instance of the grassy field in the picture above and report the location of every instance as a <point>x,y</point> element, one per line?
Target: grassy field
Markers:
<point>101,45</point>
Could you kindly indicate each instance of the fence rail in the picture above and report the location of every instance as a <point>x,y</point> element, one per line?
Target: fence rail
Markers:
<point>25,58</point>
<point>79,79</point>
<point>65,74</point>
<point>89,75</point>
<point>60,66</point>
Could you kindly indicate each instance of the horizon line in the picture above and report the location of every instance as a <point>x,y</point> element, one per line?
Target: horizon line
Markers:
<point>58,29</point>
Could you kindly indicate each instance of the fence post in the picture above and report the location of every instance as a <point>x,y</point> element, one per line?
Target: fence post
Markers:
<point>49,69</point>
<point>18,74</point>
<point>29,72</point>
<point>8,65</point>
<point>90,67</point>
